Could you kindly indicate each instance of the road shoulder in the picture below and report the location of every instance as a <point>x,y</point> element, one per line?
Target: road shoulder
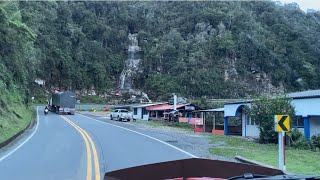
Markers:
<point>11,144</point>
<point>197,144</point>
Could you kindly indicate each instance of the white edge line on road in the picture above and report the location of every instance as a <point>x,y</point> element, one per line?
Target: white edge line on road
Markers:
<point>25,141</point>
<point>144,135</point>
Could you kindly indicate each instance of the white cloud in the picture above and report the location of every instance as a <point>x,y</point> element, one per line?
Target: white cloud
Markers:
<point>305,4</point>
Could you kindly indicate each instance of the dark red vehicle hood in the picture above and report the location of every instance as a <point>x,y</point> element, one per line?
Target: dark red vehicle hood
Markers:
<point>189,168</point>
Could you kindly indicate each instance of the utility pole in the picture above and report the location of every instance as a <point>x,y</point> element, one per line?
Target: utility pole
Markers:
<point>174,102</point>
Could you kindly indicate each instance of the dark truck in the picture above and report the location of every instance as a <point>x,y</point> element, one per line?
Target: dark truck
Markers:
<point>63,102</point>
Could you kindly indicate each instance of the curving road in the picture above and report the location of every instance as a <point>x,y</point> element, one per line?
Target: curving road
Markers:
<point>78,147</point>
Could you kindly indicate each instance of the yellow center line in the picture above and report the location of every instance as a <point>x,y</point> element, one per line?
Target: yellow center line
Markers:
<point>95,156</point>
<point>89,162</point>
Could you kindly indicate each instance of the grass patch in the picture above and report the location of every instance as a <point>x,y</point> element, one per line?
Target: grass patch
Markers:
<point>13,120</point>
<point>14,116</point>
<point>297,161</point>
<point>184,126</point>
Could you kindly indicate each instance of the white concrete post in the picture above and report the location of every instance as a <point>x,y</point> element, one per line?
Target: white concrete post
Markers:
<point>282,163</point>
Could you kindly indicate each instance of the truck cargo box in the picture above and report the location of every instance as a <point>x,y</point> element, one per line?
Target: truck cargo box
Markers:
<point>63,102</point>
<point>64,99</point>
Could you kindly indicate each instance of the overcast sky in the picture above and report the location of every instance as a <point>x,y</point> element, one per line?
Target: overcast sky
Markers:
<point>305,4</point>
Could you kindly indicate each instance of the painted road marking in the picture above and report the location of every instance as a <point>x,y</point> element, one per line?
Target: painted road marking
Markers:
<point>89,163</point>
<point>95,156</point>
<point>87,138</point>
<point>143,135</point>
<point>15,149</point>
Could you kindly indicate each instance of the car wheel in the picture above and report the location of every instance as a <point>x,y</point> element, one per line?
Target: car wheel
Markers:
<point>128,120</point>
<point>111,118</point>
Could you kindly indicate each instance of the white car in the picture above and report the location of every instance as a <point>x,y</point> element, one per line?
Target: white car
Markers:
<point>121,114</point>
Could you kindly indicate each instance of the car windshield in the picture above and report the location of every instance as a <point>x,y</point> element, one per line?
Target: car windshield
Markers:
<point>89,88</point>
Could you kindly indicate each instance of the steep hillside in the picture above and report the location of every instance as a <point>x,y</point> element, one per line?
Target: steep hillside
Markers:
<point>17,69</point>
<point>213,49</point>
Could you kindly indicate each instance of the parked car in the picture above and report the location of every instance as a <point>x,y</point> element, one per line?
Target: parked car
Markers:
<point>121,114</point>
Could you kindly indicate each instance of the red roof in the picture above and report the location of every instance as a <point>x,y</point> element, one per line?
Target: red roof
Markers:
<point>163,107</point>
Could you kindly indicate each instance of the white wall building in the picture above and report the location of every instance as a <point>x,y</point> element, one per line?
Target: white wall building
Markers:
<point>306,105</point>
<point>140,112</point>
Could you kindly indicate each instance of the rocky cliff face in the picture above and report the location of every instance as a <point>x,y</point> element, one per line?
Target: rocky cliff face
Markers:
<point>258,81</point>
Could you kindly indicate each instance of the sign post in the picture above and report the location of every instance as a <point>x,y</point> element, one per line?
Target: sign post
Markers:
<point>282,125</point>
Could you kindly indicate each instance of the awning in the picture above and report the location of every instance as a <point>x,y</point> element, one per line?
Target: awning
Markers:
<point>164,107</point>
<point>173,112</point>
<point>213,110</point>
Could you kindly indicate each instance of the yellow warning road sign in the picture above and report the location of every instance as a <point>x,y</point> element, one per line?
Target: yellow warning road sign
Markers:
<point>282,123</point>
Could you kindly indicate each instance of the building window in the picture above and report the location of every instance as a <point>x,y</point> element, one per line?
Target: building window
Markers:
<point>298,122</point>
<point>144,111</point>
<point>250,121</point>
<point>135,111</point>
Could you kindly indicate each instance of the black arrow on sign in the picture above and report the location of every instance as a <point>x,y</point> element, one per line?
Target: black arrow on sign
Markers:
<point>283,127</point>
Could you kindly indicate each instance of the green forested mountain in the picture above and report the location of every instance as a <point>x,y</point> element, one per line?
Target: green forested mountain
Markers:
<point>18,61</point>
<point>213,49</point>
<point>18,56</point>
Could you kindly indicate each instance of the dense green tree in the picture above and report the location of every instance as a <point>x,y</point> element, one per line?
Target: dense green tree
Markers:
<point>263,111</point>
<point>212,49</point>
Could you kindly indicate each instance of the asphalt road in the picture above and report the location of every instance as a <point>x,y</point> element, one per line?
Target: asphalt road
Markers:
<point>77,147</point>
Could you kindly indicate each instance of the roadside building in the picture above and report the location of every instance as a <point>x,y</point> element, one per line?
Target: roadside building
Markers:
<point>140,112</point>
<point>307,107</point>
<point>236,111</point>
<point>213,120</point>
<point>307,111</point>
<point>185,112</point>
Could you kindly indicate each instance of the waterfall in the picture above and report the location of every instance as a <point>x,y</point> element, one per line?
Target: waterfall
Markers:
<point>131,64</point>
<point>131,67</point>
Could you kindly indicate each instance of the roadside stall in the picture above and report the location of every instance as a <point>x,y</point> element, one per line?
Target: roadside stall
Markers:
<point>213,120</point>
